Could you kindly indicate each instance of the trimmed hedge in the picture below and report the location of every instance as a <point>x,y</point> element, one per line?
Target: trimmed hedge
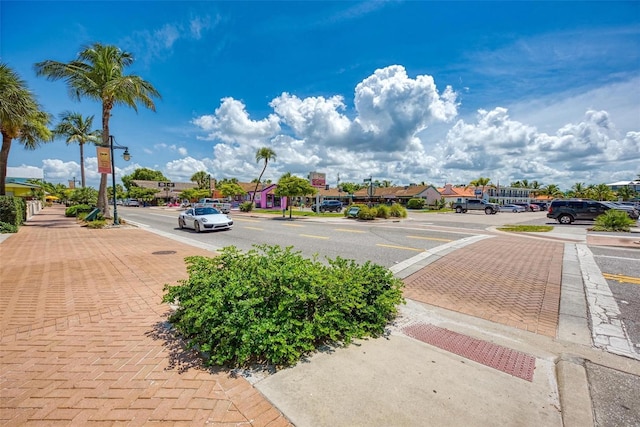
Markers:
<point>271,305</point>
<point>13,213</point>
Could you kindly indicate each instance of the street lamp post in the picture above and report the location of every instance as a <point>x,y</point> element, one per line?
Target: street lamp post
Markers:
<point>126,156</point>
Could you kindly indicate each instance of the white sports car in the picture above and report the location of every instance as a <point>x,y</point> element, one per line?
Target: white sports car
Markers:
<point>202,219</point>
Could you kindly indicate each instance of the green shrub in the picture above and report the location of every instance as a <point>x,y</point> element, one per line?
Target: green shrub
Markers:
<point>272,305</point>
<point>13,210</point>
<point>5,227</point>
<point>613,220</point>
<point>367,213</point>
<point>76,210</point>
<point>383,211</point>
<point>246,207</point>
<point>398,211</point>
<point>415,204</point>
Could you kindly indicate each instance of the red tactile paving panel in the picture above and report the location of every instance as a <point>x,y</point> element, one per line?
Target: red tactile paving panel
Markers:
<point>504,359</point>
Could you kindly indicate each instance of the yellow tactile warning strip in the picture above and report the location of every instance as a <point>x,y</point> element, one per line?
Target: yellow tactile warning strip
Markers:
<point>84,339</point>
<point>622,278</point>
<point>504,359</point>
<point>508,280</point>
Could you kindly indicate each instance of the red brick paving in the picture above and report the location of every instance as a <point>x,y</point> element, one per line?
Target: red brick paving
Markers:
<point>83,339</point>
<point>507,280</point>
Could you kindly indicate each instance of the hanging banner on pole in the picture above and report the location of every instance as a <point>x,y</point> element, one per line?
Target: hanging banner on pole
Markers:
<point>104,160</point>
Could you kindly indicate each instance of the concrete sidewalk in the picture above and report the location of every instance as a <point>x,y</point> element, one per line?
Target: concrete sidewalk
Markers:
<point>495,332</point>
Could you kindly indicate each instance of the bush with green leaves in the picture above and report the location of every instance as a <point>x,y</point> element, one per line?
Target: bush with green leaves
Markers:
<point>367,213</point>
<point>383,211</point>
<point>397,211</point>
<point>246,207</point>
<point>75,210</point>
<point>5,227</point>
<point>271,305</point>
<point>84,196</point>
<point>613,220</point>
<point>13,210</point>
<point>415,204</point>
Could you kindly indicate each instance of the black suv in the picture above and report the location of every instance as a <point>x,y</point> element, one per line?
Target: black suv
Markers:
<point>328,205</point>
<point>565,211</point>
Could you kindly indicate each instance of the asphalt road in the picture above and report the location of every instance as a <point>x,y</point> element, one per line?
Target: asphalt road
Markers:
<point>621,268</point>
<point>385,242</point>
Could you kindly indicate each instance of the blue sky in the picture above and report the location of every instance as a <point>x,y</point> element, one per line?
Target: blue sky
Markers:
<point>408,92</point>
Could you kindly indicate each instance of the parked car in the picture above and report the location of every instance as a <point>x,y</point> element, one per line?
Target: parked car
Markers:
<point>512,208</point>
<point>543,205</point>
<point>631,211</point>
<point>328,206</point>
<point>526,206</point>
<point>132,202</point>
<point>476,205</point>
<point>565,211</point>
<point>204,219</point>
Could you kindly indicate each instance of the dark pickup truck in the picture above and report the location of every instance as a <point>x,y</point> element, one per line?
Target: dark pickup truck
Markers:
<point>476,205</point>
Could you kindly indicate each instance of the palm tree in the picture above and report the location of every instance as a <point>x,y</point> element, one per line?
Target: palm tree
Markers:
<point>266,154</point>
<point>535,189</point>
<point>202,179</point>
<point>626,193</point>
<point>20,118</point>
<point>77,129</point>
<point>602,192</point>
<point>579,190</point>
<point>480,182</point>
<point>552,190</point>
<point>98,73</point>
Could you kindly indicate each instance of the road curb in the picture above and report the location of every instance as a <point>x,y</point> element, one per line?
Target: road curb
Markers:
<point>573,388</point>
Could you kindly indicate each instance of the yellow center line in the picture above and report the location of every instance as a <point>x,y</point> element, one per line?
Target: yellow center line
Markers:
<point>293,225</point>
<point>314,237</point>
<point>622,279</point>
<point>235,218</point>
<point>429,238</point>
<point>400,247</point>
<point>254,228</point>
<point>349,230</point>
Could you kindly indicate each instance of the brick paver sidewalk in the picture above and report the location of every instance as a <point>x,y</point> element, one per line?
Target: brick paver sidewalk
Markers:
<point>83,338</point>
<point>504,279</point>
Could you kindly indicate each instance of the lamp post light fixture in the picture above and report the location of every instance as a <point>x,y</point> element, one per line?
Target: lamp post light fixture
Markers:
<point>126,156</point>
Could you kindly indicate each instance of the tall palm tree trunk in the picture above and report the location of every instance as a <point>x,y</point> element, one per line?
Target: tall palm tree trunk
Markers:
<point>253,196</point>
<point>82,164</point>
<point>4,159</point>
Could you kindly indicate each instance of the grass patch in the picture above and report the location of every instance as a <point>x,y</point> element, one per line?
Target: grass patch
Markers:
<point>526,228</point>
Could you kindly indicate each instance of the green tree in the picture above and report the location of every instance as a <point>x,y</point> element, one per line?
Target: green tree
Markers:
<point>194,194</point>
<point>142,174</point>
<point>21,118</point>
<point>120,192</point>
<point>480,182</point>
<point>578,190</point>
<point>552,190</point>
<point>626,193</point>
<point>231,189</point>
<point>266,154</point>
<point>98,73</point>
<point>290,186</point>
<point>602,192</point>
<point>350,187</point>
<point>84,196</point>
<point>77,129</point>
<point>202,179</point>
